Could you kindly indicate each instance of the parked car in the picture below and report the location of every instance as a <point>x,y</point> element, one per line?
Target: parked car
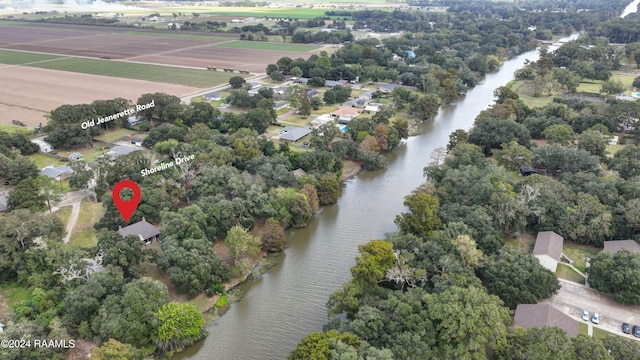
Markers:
<point>585,315</point>
<point>636,330</point>
<point>595,318</point>
<point>626,328</point>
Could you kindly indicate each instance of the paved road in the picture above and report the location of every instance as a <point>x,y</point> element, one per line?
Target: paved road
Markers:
<point>573,298</point>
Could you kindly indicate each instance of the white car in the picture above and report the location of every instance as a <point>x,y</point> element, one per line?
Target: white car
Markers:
<point>585,315</point>
<point>595,318</point>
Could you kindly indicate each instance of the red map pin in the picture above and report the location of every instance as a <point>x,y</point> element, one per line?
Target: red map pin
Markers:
<point>126,208</point>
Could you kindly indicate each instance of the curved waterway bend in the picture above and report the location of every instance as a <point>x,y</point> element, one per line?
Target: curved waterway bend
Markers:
<point>288,301</point>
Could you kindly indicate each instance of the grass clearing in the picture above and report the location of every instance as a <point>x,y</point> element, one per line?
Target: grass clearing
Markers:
<point>83,234</point>
<point>113,135</point>
<point>149,33</point>
<point>13,129</point>
<point>526,92</point>
<point>63,214</point>
<point>157,73</point>
<point>42,160</point>
<point>11,57</point>
<point>579,253</point>
<point>223,301</point>
<point>524,241</point>
<point>583,329</point>
<point>567,273</point>
<point>601,334</point>
<point>14,293</point>
<point>262,45</point>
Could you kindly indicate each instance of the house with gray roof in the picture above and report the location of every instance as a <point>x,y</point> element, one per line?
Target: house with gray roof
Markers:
<point>212,96</point>
<point>59,173</point>
<point>332,83</point>
<point>119,150</point>
<point>279,105</point>
<point>538,315</point>
<point>617,245</point>
<point>548,249</point>
<point>386,88</point>
<point>142,229</point>
<point>294,133</point>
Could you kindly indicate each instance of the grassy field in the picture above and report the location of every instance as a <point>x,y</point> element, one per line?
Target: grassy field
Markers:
<point>526,91</point>
<point>289,12</point>
<point>114,135</point>
<point>84,235</point>
<point>90,154</point>
<point>593,86</point>
<point>19,57</point>
<point>12,129</point>
<point>164,74</point>
<point>262,45</point>
<point>63,214</point>
<point>579,253</point>
<point>568,273</point>
<point>42,160</point>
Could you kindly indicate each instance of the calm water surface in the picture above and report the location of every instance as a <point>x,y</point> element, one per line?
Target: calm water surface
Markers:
<point>288,302</point>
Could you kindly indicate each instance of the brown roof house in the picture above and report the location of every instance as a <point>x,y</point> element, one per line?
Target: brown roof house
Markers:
<point>617,245</point>
<point>539,315</point>
<point>142,229</point>
<point>548,249</point>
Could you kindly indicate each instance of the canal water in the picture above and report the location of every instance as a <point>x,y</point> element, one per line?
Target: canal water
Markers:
<point>288,301</point>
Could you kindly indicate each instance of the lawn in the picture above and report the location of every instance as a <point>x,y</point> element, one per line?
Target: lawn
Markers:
<point>593,86</point>
<point>263,45</point>
<point>19,57</point>
<point>158,73</point>
<point>113,135</point>
<point>526,91</point>
<point>11,294</point>
<point>289,12</point>
<point>83,234</point>
<point>583,328</point>
<point>579,253</point>
<point>601,334</point>
<point>12,129</point>
<point>567,273</point>
<point>90,154</point>
<point>63,214</point>
<point>42,160</point>
<point>524,241</point>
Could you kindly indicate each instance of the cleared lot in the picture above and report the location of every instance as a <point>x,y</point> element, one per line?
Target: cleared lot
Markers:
<point>573,298</point>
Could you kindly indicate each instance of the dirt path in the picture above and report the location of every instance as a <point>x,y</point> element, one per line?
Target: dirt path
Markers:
<point>72,199</point>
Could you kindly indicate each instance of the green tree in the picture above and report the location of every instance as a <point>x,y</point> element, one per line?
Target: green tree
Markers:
<point>19,169</point>
<point>237,82</point>
<point>590,348</point>
<point>328,190</point>
<point>318,345</point>
<point>626,162</point>
<point>422,218</point>
<point>518,278</point>
<point>426,107</point>
<point>241,243</point>
<point>376,257</point>
<point>483,325</point>
<point>513,155</point>
<point>27,195</point>
<point>491,134</point>
<point>165,107</point>
<point>273,238</point>
<point>181,325</point>
<point>457,137</point>
<point>612,87</point>
<point>559,134</point>
<point>617,274</point>
<point>114,350</point>
<point>546,343</point>
<point>304,105</point>
<point>126,253</point>
<point>622,348</point>
<point>402,126</point>
<point>594,142</point>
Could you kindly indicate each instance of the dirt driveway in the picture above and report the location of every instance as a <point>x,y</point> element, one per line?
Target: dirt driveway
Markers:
<point>573,298</point>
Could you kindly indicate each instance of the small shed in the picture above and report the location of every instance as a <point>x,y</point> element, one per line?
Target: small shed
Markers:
<point>75,156</point>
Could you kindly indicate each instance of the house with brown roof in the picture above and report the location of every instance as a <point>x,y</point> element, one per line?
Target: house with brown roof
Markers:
<point>345,114</point>
<point>617,245</point>
<point>548,249</point>
<point>539,315</point>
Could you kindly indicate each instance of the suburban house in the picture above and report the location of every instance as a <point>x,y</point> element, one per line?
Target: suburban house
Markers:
<point>59,173</point>
<point>3,202</point>
<point>617,245</point>
<point>254,89</point>
<point>312,92</point>
<point>293,133</point>
<point>386,88</point>
<point>119,150</point>
<point>75,156</point>
<point>548,249</point>
<point>299,172</point>
<point>142,229</point>
<point>367,95</point>
<point>212,96</point>
<point>539,315</point>
<point>280,90</point>
<point>302,81</point>
<point>321,120</point>
<point>279,105</point>
<point>332,83</point>
<point>44,146</point>
<point>355,102</point>
<point>372,109</point>
<point>345,114</point>
<point>136,141</point>
<point>133,120</point>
